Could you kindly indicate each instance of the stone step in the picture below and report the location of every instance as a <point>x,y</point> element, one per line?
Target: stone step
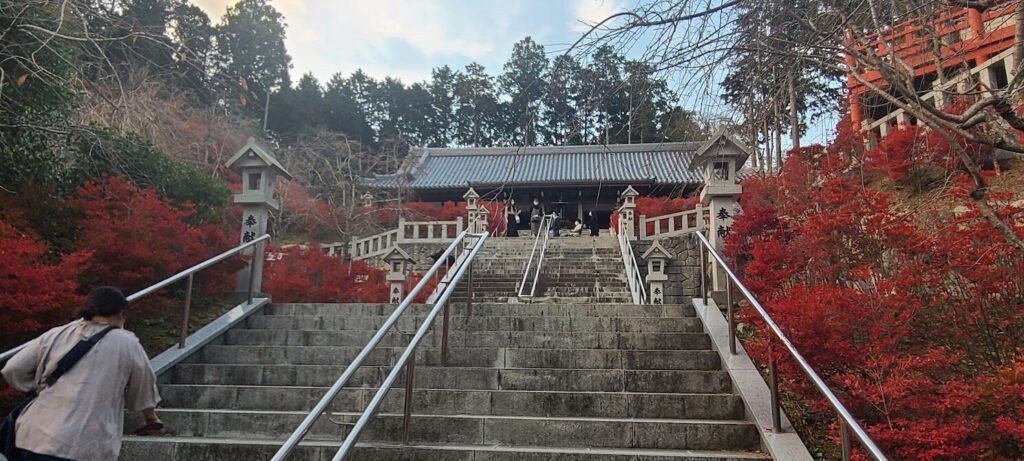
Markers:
<point>410,322</point>
<point>701,378</point>
<point>469,339</point>
<point>471,357</point>
<point>543,309</point>
<point>460,402</point>
<point>570,432</point>
<point>211,449</point>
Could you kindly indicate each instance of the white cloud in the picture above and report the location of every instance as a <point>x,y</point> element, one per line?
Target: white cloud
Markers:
<point>590,12</point>
<point>385,37</point>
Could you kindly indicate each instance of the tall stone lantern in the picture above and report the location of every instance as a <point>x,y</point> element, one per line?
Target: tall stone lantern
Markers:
<point>472,203</point>
<point>482,216</point>
<point>627,212</point>
<point>398,269</point>
<point>720,160</point>
<point>259,169</point>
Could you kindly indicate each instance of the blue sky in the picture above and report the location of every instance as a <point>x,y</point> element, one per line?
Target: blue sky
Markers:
<point>408,38</point>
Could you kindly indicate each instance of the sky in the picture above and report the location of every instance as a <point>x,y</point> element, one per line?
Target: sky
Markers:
<point>405,39</point>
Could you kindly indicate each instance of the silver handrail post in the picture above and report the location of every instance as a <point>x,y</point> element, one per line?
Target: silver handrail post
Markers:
<point>185,312</point>
<point>732,316</point>
<point>703,274</point>
<point>469,290</point>
<point>773,380</point>
<point>410,370</point>
<point>844,435</point>
<point>252,273</point>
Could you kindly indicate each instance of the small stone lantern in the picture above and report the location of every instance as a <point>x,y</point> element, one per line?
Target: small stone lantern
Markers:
<point>720,159</point>
<point>368,199</point>
<point>657,259</point>
<point>398,262</point>
<point>627,212</point>
<point>259,169</point>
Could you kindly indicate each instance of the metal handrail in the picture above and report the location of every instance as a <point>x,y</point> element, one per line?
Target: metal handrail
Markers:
<point>636,283</point>
<point>542,238</point>
<point>407,359</point>
<point>321,406</point>
<point>189,273</point>
<point>847,422</point>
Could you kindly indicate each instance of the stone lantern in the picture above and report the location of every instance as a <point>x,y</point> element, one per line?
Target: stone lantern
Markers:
<point>627,212</point>
<point>480,226</point>
<point>368,199</point>
<point>720,160</point>
<point>259,169</point>
<point>657,259</point>
<point>398,262</point>
<point>472,199</point>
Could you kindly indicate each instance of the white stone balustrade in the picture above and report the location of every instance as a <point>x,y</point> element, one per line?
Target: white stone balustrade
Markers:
<point>407,232</point>
<point>674,224</point>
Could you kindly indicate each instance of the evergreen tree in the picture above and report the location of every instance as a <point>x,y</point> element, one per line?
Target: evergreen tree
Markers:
<point>606,113</point>
<point>192,34</point>
<point>344,113</point>
<point>523,82</point>
<point>251,51</point>
<point>442,101</point>
<point>418,117</point>
<point>476,107</point>
<point>562,123</point>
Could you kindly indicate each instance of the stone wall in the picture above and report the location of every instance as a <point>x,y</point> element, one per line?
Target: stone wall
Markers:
<point>683,269</point>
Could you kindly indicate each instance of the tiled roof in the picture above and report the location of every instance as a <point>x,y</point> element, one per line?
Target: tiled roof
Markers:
<point>656,164</point>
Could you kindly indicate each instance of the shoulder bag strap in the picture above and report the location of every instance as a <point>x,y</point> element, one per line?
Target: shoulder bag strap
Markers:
<point>74,355</point>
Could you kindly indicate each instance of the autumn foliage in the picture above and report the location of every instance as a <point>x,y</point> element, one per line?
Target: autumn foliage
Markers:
<point>309,275</point>
<point>306,274</point>
<point>916,320</point>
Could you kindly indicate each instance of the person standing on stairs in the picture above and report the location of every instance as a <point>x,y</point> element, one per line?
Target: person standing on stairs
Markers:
<point>593,224</point>
<point>511,218</point>
<point>536,214</point>
<point>81,415</point>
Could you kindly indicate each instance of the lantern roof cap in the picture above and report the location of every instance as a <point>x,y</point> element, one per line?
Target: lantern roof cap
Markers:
<point>397,254</point>
<point>722,145</point>
<point>654,250</point>
<point>257,149</point>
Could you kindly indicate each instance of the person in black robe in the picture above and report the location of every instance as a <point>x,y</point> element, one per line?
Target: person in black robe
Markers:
<point>512,219</point>
<point>592,224</point>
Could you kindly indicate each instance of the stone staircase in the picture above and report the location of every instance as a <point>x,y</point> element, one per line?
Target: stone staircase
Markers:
<point>556,379</point>
<point>575,270</point>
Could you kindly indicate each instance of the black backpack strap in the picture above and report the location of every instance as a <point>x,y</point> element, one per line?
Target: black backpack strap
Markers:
<point>74,355</point>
